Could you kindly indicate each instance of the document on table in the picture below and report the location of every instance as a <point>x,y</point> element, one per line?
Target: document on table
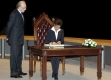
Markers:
<point>54,46</point>
<point>59,45</point>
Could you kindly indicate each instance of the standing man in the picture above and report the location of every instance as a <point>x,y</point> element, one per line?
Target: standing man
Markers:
<point>15,37</point>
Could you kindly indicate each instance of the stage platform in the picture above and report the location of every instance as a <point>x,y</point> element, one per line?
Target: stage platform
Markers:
<point>72,70</point>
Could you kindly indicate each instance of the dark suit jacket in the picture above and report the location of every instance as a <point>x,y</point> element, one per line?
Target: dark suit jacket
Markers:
<point>51,36</point>
<point>15,28</point>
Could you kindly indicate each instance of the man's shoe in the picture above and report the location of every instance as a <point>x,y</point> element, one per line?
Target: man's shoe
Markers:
<point>16,76</point>
<point>56,77</point>
<point>53,75</point>
<point>23,73</point>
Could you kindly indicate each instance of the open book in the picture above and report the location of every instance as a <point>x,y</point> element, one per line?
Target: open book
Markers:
<point>54,46</point>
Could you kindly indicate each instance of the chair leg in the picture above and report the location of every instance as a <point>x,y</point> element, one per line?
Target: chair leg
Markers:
<point>36,58</point>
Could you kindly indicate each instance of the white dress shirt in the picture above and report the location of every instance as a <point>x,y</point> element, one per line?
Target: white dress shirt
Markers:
<point>56,32</point>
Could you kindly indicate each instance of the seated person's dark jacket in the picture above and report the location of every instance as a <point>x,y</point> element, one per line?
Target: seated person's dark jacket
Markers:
<point>50,37</point>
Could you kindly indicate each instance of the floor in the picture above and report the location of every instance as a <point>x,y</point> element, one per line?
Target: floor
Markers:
<point>72,71</point>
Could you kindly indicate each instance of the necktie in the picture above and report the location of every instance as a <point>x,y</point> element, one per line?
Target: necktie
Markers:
<point>22,16</point>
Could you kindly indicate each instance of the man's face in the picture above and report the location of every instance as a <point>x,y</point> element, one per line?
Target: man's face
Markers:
<point>22,8</point>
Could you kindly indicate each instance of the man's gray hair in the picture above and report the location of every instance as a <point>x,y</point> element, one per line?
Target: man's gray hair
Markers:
<point>19,3</point>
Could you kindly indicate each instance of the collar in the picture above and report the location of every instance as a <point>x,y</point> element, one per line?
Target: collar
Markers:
<point>19,10</point>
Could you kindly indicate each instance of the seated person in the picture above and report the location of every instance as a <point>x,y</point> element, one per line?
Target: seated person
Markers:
<point>55,35</point>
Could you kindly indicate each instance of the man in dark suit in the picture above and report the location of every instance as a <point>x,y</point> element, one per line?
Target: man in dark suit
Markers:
<point>15,37</point>
<point>55,36</point>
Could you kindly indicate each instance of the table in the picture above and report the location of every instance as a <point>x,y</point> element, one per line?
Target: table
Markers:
<point>77,50</point>
<point>67,39</point>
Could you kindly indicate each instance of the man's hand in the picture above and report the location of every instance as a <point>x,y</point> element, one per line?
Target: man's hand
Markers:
<point>7,39</point>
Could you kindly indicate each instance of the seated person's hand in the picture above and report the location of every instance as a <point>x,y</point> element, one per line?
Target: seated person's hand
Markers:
<point>58,42</point>
<point>53,43</point>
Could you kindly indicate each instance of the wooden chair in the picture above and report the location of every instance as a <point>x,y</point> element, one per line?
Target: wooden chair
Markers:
<point>41,26</point>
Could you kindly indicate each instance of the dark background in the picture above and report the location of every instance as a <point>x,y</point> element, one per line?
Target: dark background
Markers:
<point>81,18</point>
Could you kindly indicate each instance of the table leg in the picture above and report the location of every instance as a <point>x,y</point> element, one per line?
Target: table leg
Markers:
<point>44,67</point>
<point>99,68</point>
<point>30,66</point>
<point>82,65</point>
